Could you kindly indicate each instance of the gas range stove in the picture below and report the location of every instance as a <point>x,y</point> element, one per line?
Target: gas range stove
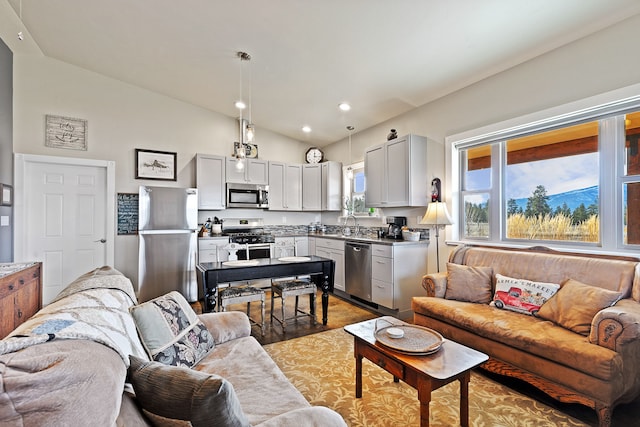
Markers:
<point>246,231</point>
<point>250,238</point>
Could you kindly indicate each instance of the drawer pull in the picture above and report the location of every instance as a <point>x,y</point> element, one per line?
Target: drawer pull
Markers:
<point>19,313</point>
<point>382,363</point>
<point>11,287</point>
<point>21,281</point>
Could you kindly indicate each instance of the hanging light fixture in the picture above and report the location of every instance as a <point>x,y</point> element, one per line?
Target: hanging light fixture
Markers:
<point>251,129</point>
<point>240,152</point>
<point>349,169</point>
<point>20,33</point>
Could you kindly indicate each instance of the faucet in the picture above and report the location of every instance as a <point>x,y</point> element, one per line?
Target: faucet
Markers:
<point>355,223</point>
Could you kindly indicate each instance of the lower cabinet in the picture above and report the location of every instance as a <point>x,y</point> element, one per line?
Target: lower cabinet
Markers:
<point>20,297</point>
<point>333,249</point>
<point>382,275</point>
<point>284,246</point>
<point>210,249</point>
<point>396,275</point>
<point>302,246</point>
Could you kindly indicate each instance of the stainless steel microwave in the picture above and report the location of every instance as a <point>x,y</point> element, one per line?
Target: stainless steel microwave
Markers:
<point>247,196</point>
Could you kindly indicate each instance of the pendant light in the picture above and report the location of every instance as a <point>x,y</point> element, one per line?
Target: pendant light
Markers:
<point>20,33</point>
<point>349,169</point>
<point>240,153</point>
<point>250,128</point>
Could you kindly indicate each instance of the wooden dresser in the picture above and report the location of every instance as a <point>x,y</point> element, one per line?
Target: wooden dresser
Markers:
<point>20,294</point>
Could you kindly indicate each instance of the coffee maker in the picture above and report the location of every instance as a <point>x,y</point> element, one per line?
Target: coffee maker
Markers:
<point>395,226</point>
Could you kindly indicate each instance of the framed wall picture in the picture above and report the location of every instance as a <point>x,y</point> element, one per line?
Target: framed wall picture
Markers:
<point>65,132</point>
<point>6,195</point>
<point>151,164</point>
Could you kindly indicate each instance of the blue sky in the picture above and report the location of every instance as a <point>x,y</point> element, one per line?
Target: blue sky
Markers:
<point>556,175</point>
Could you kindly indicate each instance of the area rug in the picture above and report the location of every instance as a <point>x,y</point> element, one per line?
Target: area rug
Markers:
<point>322,367</point>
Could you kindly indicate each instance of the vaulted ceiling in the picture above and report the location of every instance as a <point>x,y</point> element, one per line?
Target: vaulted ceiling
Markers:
<point>383,57</point>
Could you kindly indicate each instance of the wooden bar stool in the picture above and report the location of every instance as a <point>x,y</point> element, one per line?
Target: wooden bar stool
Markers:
<point>242,294</point>
<point>295,288</point>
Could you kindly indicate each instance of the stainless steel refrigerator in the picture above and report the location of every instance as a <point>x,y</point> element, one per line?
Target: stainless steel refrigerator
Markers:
<point>167,229</point>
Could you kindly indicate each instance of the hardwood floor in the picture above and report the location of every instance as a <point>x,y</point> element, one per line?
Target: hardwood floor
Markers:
<point>340,313</point>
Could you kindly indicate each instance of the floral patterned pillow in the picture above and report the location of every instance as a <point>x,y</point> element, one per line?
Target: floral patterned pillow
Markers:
<point>171,331</point>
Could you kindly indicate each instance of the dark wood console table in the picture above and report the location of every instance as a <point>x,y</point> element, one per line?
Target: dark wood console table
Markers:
<point>211,274</point>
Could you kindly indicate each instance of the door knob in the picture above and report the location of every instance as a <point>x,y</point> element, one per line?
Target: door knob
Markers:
<point>101,241</point>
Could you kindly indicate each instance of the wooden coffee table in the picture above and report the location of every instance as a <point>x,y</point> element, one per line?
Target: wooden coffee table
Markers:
<point>451,362</point>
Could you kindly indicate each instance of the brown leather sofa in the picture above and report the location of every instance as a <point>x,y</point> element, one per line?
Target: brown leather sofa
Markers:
<point>599,368</point>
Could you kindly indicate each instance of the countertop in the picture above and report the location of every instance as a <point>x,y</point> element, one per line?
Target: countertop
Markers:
<point>14,267</point>
<point>370,239</point>
<point>352,238</point>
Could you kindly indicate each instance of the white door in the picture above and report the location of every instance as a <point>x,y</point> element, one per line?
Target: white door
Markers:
<point>64,217</point>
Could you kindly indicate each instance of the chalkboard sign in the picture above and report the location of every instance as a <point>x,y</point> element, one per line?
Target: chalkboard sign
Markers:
<point>127,213</point>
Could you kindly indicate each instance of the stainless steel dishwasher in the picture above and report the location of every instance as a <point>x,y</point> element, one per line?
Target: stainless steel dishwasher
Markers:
<point>357,263</point>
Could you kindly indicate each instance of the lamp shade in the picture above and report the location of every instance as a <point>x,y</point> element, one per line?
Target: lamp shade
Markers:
<point>437,214</point>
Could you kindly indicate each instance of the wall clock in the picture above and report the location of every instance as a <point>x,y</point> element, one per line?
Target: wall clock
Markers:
<point>314,155</point>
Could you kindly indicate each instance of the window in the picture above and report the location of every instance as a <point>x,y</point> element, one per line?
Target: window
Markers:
<point>476,184</point>
<point>552,186</point>
<point>354,186</point>
<point>568,180</point>
<point>631,180</point>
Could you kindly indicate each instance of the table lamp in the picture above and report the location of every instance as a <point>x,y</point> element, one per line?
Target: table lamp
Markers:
<point>438,217</point>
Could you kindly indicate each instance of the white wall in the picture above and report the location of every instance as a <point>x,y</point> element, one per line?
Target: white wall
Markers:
<point>122,118</point>
<point>596,64</point>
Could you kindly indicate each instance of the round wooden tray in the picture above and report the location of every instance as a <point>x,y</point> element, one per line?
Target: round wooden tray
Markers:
<point>417,340</point>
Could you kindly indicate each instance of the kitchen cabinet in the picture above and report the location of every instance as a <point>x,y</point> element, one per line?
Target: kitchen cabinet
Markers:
<point>333,249</point>
<point>382,275</point>
<point>291,246</point>
<point>285,186</point>
<point>322,187</point>
<point>255,171</point>
<point>212,249</point>
<point>20,295</point>
<point>284,246</point>
<point>210,180</point>
<point>331,186</point>
<point>396,275</point>
<point>399,172</point>
<point>302,246</point>
<point>312,187</point>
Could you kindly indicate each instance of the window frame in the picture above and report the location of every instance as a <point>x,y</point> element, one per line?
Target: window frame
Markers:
<point>609,110</point>
<point>348,189</point>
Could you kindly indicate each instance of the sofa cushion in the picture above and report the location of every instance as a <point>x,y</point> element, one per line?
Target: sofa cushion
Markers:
<point>171,331</point>
<point>527,333</point>
<point>575,304</point>
<point>522,296</point>
<point>61,383</point>
<point>168,393</point>
<point>256,379</point>
<point>468,283</point>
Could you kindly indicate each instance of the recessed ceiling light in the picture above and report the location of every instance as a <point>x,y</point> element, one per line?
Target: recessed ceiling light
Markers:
<point>240,105</point>
<point>306,129</point>
<point>344,106</point>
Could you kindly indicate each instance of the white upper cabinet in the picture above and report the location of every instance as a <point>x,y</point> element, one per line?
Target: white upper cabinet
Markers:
<point>374,172</point>
<point>331,186</point>
<point>312,187</point>
<point>322,186</point>
<point>210,180</point>
<point>398,172</point>
<point>285,186</point>
<point>255,171</point>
